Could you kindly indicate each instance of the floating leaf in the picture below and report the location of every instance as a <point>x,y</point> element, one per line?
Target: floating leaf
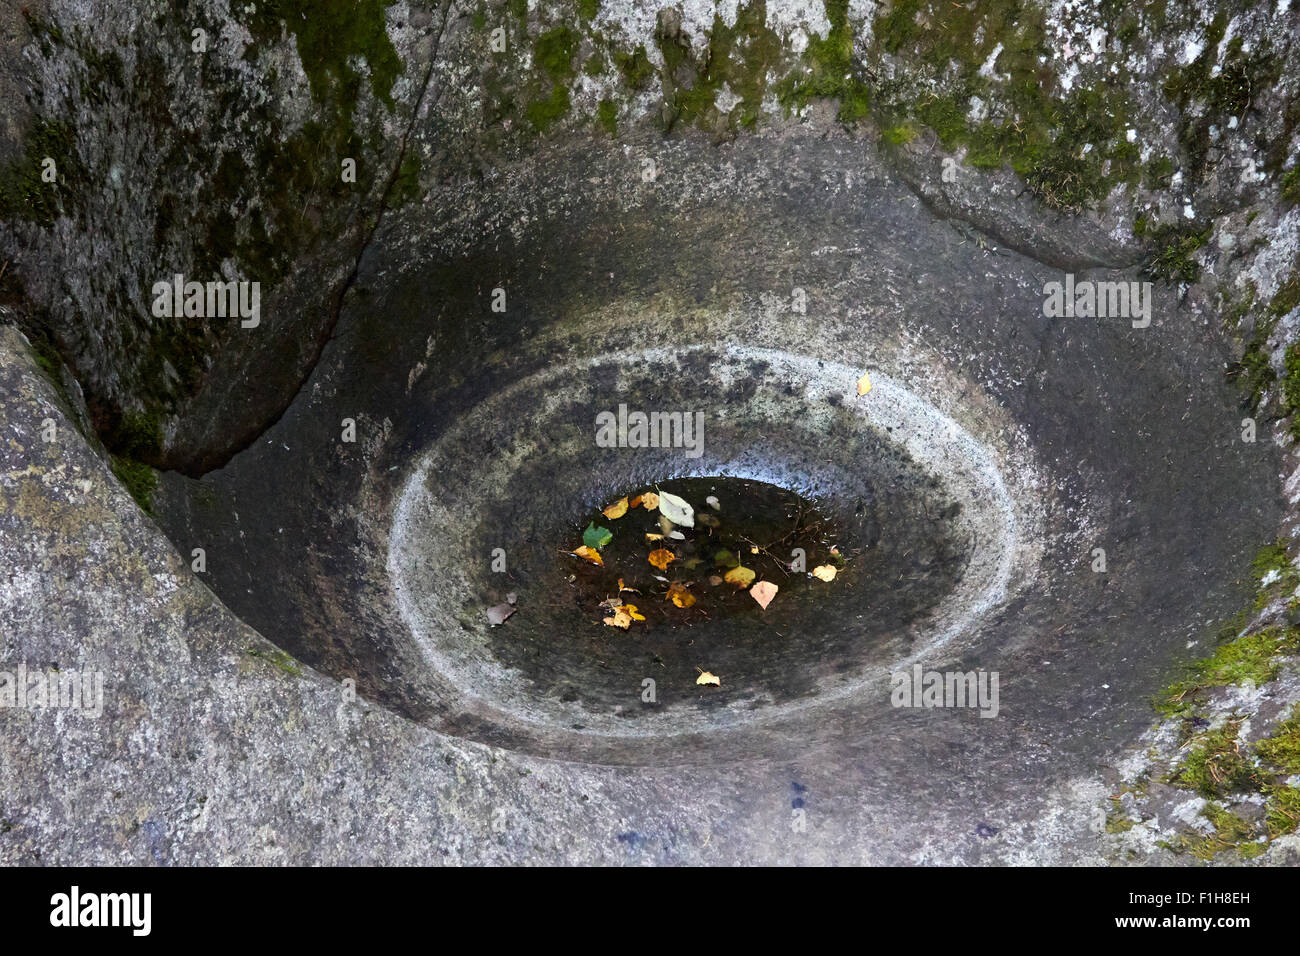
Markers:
<point>650,501</point>
<point>707,678</point>
<point>633,613</point>
<point>763,592</point>
<point>692,563</point>
<point>497,615</point>
<point>713,503</point>
<point>679,595</point>
<point>591,554</point>
<point>512,598</point>
<point>616,510</point>
<point>620,618</point>
<point>725,559</point>
<point>676,510</point>
<point>740,576</point>
<point>825,572</point>
<point>708,520</point>
<point>661,558</point>
<point>665,525</point>
<point>654,537</point>
<point>595,537</point>
<point>864,384</point>
<point>714,580</point>
<point>676,535</point>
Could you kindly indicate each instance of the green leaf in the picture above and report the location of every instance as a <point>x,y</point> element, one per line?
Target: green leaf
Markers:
<point>595,537</point>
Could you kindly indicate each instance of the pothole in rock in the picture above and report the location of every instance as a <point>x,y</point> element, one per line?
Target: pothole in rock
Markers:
<point>914,506</point>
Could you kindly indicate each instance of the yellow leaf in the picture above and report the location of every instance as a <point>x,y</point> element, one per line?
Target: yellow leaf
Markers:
<point>707,678</point>
<point>825,572</point>
<point>661,558</point>
<point>740,576</point>
<point>621,618</point>
<point>654,537</point>
<point>591,554</point>
<point>763,592</point>
<point>616,510</point>
<point>680,595</point>
<point>632,612</point>
<point>650,501</point>
<point>864,384</point>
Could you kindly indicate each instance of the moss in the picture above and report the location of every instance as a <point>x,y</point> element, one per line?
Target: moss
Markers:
<point>595,64</point>
<point>1159,173</point>
<point>545,113</point>
<point>1069,152</point>
<point>1273,560</point>
<point>1117,821</point>
<point>1287,296</point>
<point>139,480</point>
<point>279,659</point>
<point>1282,810</point>
<point>1216,766</point>
<point>554,50</point>
<point>607,116</point>
<point>900,134</point>
<point>587,9</point>
<point>1291,184</point>
<point>739,57</point>
<point>1172,249</point>
<point>406,184</point>
<point>635,67</point>
<point>1250,657</point>
<point>829,70</point>
<point>1230,832</point>
<point>1281,750</point>
<point>24,194</point>
<point>329,35</point>
<point>1226,91</point>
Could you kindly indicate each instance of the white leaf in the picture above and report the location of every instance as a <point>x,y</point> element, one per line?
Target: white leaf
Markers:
<point>676,510</point>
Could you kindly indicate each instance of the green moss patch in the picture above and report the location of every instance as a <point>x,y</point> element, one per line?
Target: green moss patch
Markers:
<point>329,35</point>
<point>1251,657</point>
<point>829,69</point>
<point>138,479</point>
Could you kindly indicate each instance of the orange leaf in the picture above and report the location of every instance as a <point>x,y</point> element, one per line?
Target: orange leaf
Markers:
<point>661,558</point>
<point>616,510</point>
<point>680,595</point>
<point>591,554</point>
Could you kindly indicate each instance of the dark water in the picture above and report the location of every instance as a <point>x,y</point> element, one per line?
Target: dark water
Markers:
<point>756,526</point>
